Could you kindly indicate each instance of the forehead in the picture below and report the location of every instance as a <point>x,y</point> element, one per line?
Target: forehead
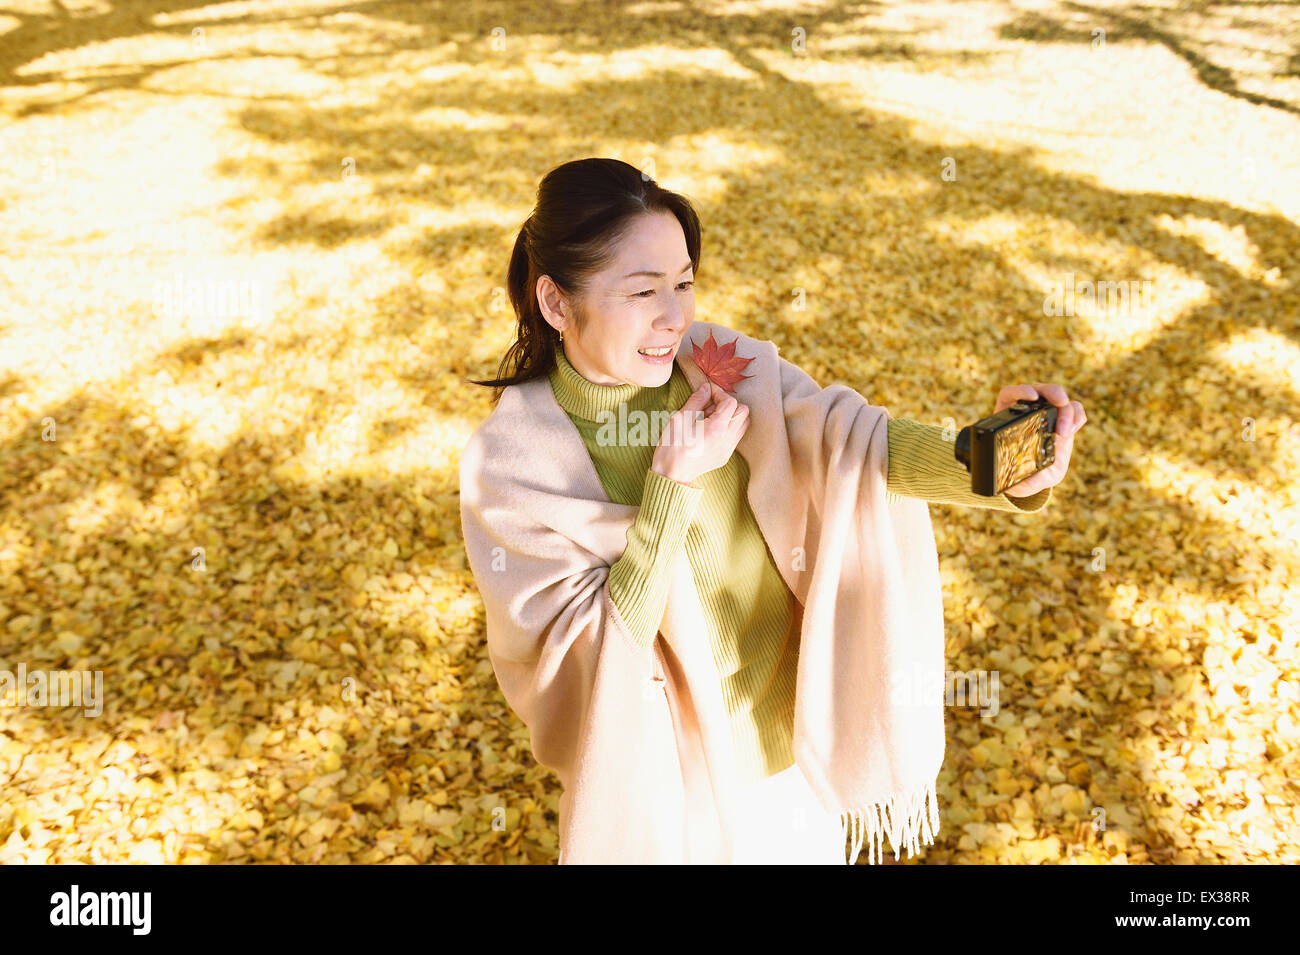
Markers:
<point>655,242</point>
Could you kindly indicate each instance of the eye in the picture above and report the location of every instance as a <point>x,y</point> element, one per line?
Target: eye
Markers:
<point>651,291</point>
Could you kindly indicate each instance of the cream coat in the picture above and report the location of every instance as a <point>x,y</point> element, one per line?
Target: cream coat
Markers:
<point>640,741</point>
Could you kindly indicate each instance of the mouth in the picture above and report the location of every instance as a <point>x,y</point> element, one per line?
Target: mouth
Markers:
<point>657,356</point>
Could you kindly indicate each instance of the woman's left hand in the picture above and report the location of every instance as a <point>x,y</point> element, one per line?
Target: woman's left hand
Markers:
<point>1070,417</point>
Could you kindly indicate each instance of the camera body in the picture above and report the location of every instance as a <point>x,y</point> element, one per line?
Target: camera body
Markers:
<point>1003,449</point>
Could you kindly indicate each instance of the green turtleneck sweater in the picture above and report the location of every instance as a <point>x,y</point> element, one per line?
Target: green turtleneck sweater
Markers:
<point>748,607</point>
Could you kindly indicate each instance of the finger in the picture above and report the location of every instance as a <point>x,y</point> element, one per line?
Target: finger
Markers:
<point>1061,459</point>
<point>1018,393</point>
<point>1053,393</point>
<point>1065,424</point>
<point>698,399</point>
<point>720,393</point>
<point>725,407</point>
<point>1013,393</point>
<point>1070,419</point>
<point>728,423</point>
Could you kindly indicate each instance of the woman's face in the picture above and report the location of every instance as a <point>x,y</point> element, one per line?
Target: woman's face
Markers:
<point>644,299</point>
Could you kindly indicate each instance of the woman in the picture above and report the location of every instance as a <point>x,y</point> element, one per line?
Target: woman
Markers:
<point>699,640</point>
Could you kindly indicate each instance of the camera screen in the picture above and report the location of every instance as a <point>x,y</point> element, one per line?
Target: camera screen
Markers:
<point>1018,447</point>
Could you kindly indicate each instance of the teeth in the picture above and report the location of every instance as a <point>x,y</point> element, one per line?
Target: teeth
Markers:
<point>655,352</point>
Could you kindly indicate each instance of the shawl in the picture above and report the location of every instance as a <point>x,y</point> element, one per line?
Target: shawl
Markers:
<point>640,741</point>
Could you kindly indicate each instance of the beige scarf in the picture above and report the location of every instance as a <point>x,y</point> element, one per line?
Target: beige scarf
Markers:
<point>640,741</point>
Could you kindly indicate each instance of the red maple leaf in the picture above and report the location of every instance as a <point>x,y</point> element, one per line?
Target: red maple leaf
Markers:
<point>719,362</point>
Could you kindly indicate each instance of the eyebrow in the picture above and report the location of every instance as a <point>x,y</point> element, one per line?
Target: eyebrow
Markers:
<point>657,275</point>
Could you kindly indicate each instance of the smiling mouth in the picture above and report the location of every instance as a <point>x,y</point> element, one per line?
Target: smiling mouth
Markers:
<point>656,352</point>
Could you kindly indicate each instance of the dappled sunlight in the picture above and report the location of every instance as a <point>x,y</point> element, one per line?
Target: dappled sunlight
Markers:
<point>1272,361</point>
<point>1230,245</point>
<point>1271,514</point>
<point>560,69</point>
<point>239,9</point>
<point>1072,107</point>
<point>1117,297</point>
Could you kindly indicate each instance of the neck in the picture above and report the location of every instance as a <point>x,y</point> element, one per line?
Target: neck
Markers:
<point>586,399</point>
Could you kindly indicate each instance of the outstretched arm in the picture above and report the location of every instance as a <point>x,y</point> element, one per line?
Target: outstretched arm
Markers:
<point>922,465</point>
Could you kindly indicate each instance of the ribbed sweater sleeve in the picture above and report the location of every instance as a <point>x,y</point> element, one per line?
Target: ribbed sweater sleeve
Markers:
<point>922,465</point>
<point>639,580</point>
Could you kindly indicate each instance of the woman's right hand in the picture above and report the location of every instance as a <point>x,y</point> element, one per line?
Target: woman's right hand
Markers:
<point>691,446</point>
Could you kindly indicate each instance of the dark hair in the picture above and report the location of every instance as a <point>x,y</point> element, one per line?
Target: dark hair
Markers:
<point>584,209</point>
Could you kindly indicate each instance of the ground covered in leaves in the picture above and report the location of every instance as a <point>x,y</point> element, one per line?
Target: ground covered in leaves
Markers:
<point>246,517</point>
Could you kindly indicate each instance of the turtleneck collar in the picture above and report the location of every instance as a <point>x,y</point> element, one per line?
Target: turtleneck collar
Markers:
<point>585,399</point>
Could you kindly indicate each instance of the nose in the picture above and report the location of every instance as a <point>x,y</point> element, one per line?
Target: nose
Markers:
<point>674,319</point>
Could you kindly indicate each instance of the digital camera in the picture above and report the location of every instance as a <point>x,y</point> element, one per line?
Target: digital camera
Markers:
<point>1003,449</point>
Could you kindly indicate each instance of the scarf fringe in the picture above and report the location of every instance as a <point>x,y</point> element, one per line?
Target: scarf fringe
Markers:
<point>909,819</point>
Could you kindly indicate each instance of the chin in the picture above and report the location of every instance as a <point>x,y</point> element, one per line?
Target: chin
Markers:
<point>654,377</point>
